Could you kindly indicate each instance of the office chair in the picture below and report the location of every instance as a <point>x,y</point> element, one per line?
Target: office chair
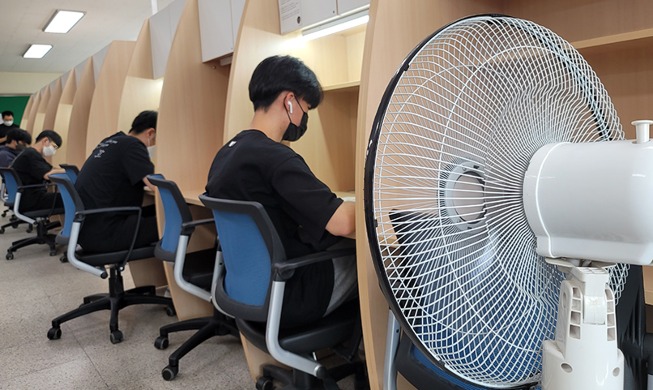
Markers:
<point>38,218</point>
<point>8,198</point>
<point>97,264</point>
<point>64,234</point>
<point>251,288</point>
<point>71,170</point>
<point>193,273</point>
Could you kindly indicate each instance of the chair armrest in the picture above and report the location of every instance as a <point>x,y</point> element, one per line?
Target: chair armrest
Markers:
<point>20,188</point>
<point>80,215</point>
<point>74,236</point>
<point>283,271</point>
<point>189,227</point>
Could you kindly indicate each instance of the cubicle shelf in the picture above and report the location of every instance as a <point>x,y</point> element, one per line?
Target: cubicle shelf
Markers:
<point>639,37</point>
<point>350,86</point>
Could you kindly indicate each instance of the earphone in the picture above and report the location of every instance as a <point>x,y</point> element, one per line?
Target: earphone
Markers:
<point>290,106</point>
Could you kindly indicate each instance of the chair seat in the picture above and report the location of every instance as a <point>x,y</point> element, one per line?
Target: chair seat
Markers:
<point>330,330</point>
<point>100,259</point>
<point>198,268</point>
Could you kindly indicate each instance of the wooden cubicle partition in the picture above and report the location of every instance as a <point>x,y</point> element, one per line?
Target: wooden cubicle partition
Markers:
<point>39,117</point>
<point>190,130</point>
<point>24,122</point>
<point>76,149</point>
<point>140,91</point>
<point>192,106</point>
<point>63,115</point>
<point>105,106</point>
<point>56,88</point>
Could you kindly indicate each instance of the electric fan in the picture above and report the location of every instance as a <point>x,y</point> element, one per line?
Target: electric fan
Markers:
<point>496,173</point>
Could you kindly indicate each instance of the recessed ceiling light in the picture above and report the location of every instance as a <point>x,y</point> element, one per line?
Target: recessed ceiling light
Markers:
<point>62,21</point>
<point>37,51</point>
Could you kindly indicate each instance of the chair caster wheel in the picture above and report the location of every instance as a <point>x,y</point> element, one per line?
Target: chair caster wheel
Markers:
<point>53,252</point>
<point>115,337</point>
<point>2,230</point>
<point>30,228</point>
<point>54,333</point>
<point>63,259</point>
<point>9,256</point>
<point>170,311</point>
<point>169,373</point>
<point>161,342</point>
<point>264,383</point>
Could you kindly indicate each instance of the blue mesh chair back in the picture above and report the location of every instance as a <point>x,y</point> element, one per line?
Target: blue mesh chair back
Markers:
<point>249,245</point>
<point>72,203</point>
<point>72,171</point>
<point>12,182</point>
<point>176,212</point>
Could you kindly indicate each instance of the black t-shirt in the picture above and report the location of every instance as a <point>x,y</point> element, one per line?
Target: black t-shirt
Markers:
<point>30,166</point>
<point>112,176</point>
<point>4,129</point>
<point>253,167</point>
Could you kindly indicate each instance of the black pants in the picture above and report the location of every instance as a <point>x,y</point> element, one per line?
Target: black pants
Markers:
<point>114,233</point>
<point>37,200</point>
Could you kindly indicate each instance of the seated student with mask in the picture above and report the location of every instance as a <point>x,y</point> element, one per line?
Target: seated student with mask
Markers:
<point>32,168</point>
<point>17,140</point>
<point>114,175</point>
<point>256,166</point>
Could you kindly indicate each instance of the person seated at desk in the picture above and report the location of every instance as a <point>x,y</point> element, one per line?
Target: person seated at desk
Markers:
<point>17,140</point>
<point>6,125</point>
<point>114,175</point>
<point>256,166</point>
<point>32,168</point>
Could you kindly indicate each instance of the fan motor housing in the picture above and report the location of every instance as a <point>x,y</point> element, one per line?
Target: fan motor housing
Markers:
<point>592,201</point>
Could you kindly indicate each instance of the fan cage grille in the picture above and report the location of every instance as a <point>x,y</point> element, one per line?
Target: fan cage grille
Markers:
<point>452,243</point>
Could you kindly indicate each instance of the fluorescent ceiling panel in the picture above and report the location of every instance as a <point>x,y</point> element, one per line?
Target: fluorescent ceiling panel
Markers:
<point>63,21</point>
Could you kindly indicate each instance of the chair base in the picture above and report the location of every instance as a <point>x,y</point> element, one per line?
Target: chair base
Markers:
<point>14,222</point>
<point>42,237</point>
<point>207,327</point>
<point>298,380</point>
<point>116,299</point>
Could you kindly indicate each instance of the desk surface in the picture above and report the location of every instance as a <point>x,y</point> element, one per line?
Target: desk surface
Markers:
<point>192,196</point>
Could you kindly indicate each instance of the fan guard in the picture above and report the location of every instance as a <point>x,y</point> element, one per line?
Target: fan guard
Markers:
<point>451,142</point>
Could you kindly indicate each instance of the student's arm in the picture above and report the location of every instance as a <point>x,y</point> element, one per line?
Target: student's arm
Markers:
<point>343,221</point>
<point>148,184</point>
<point>53,171</point>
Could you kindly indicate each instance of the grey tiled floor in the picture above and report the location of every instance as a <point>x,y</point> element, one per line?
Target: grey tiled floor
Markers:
<point>35,288</point>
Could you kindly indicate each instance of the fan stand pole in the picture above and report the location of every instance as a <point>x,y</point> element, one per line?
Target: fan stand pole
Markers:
<point>584,354</point>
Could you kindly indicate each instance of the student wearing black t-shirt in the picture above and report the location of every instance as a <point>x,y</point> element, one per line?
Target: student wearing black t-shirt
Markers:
<point>308,216</point>
<point>6,125</point>
<point>114,175</point>
<point>32,168</point>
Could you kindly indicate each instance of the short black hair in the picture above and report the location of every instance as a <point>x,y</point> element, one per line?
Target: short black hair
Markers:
<point>19,135</point>
<point>283,73</point>
<point>7,113</point>
<point>52,135</point>
<point>144,121</point>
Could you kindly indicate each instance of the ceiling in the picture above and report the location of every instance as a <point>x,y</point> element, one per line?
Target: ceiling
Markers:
<point>105,21</point>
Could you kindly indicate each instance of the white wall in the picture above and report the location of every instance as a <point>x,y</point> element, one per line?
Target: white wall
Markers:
<point>18,83</point>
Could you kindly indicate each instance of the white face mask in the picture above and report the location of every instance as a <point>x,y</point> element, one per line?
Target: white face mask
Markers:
<point>8,123</point>
<point>151,150</point>
<point>49,151</point>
